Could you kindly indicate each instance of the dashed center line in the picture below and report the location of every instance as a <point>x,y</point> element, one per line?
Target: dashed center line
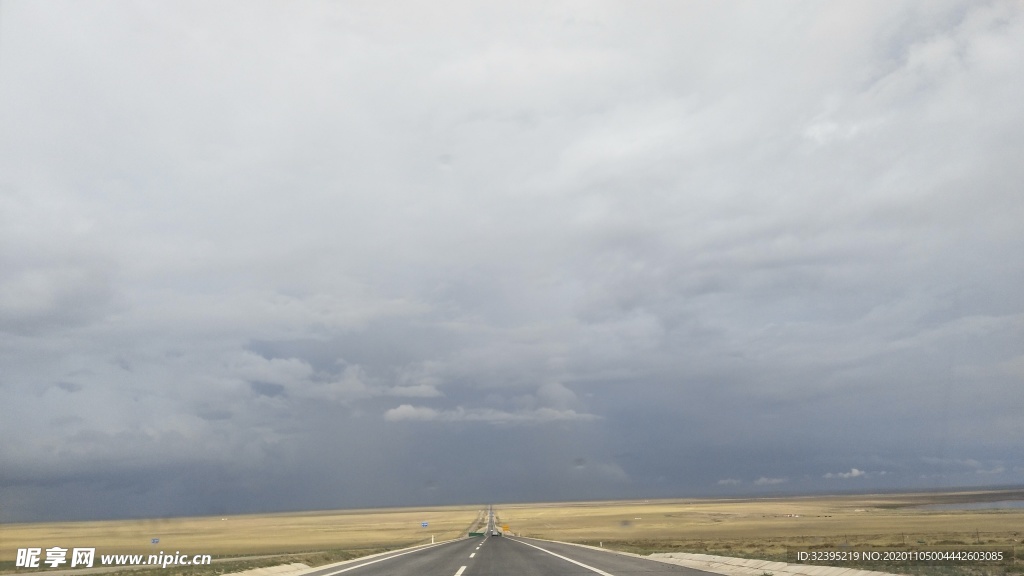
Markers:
<point>473,554</point>
<point>461,570</point>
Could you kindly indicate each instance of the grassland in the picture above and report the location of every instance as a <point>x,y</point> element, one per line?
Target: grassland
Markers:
<point>751,528</point>
<point>763,528</point>
<point>309,537</point>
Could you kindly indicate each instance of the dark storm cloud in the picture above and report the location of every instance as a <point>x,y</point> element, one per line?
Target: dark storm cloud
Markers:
<point>332,255</point>
<point>267,389</point>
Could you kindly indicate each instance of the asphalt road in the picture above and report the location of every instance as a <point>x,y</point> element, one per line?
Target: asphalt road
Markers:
<point>505,556</point>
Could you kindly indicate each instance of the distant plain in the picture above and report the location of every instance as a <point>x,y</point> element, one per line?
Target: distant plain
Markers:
<point>248,535</point>
<point>767,525</point>
<point>752,528</point>
<point>763,528</point>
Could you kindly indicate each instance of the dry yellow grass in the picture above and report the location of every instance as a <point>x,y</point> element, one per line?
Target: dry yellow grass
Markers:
<point>764,527</point>
<point>250,534</point>
<point>759,528</point>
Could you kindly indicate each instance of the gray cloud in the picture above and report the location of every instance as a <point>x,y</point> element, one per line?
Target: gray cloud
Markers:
<point>422,413</point>
<point>245,262</point>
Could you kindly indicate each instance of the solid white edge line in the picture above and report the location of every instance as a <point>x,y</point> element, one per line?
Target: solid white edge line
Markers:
<point>382,559</point>
<point>581,564</point>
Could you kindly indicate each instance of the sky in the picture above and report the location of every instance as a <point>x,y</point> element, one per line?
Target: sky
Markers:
<point>265,256</point>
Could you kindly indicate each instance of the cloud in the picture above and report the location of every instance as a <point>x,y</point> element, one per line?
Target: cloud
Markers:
<point>489,416</point>
<point>410,412</point>
<point>556,395</point>
<point>824,131</point>
<point>60,294</point>
<point>995,470</point>
<point>281,371</point>
<point>958,462</point>
<point>648,231</point>
<point>729,482</point>
<point>69,387</point>
<point>417,391</point>
<point>267,389</point>
<point>853,473</point>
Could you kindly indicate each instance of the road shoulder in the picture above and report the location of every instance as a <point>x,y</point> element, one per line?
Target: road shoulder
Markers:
<point>730,566</point>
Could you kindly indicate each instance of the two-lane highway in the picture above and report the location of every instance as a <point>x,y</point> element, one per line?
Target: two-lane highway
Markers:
<point>505,556</point>
<point>446,558</point>
<point>508,556</point>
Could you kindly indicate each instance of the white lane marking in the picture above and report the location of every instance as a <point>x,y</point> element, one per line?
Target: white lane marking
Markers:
<point>459,573</point>
<point>383,559</point>
<point>591,568</point>
<point>473,554</point>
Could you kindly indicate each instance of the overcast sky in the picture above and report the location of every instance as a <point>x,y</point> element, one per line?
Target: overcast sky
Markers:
<point>296,255</point>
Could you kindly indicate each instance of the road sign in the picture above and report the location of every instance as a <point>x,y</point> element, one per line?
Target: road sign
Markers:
<point>424,524</point>
<point>155,541</point>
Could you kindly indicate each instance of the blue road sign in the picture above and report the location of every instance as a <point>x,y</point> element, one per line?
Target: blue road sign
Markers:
<point>424,524</point>
<point>155,541</point>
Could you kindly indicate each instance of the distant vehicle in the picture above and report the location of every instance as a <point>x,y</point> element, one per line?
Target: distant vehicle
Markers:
<point>495,533</point>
